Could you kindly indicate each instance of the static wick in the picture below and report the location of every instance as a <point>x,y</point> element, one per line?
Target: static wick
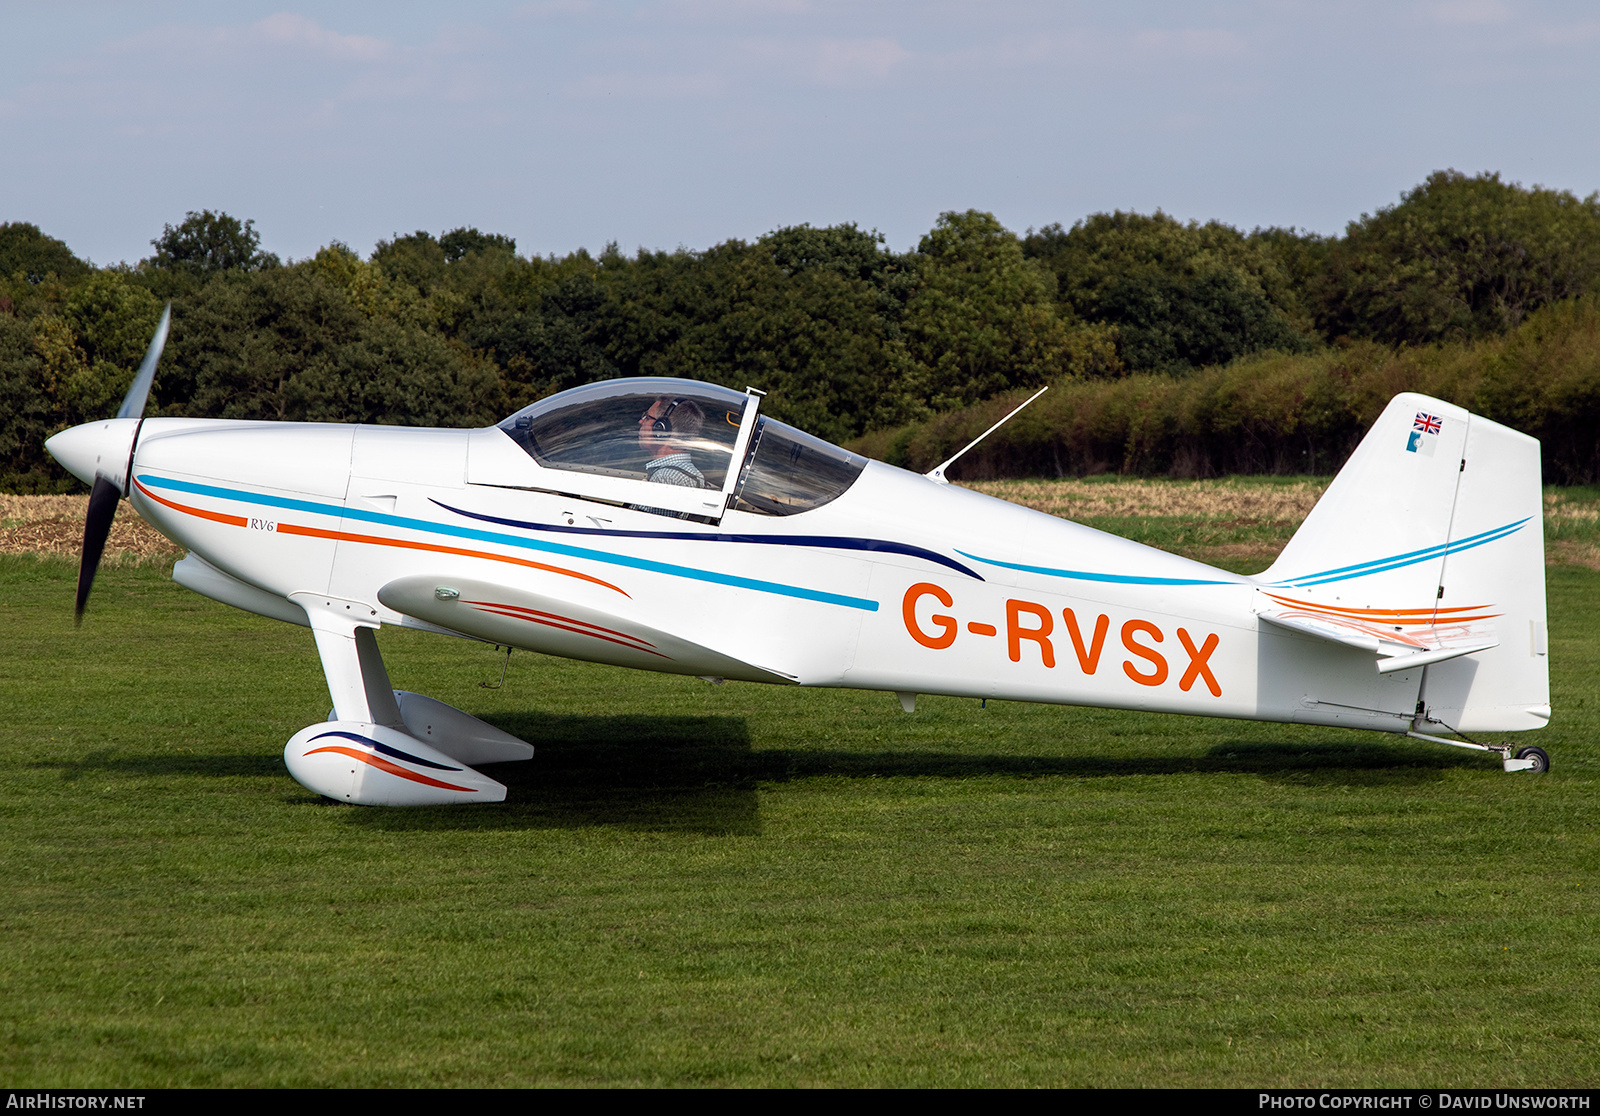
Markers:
<point>503,666</point>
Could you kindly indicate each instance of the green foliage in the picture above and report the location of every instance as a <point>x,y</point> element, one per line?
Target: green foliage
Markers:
<point>1282,413</point>
<point>1460,257</point>
<point>846,336</point>
<point>1301,258</point>
<point>417,260</point>
<point>206,243</point>
<point>428,264</point>
<point>983,318</point>
<point>810,315</point>
<point>294,343</point>
<point>1179,296</point>
<point>457,243</point>
<point>542,330</point>
<point>66,364</point>
<point>27,408</point>
<point>843,249</point>
<point>113,318</point>
<point>27,252</point>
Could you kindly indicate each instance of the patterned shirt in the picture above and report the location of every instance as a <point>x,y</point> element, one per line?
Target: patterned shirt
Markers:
<point>671,468</point>
<point>674,468</point>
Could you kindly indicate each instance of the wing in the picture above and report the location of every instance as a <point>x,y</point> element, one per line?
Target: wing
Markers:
<point>520,618</point>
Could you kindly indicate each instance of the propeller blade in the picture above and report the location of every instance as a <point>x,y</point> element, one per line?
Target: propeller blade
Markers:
<point>133,402</point>
<point>96,528</point>
<point>104,496</point>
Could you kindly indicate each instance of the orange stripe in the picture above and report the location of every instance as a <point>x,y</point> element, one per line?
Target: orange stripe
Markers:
<point>1426,617</point>
<point>215,517</point>
<point>384,765</point>
<point>1370,611</point>
<point>406,544</point>
<point>1398,621</point>
<point>374,540</point>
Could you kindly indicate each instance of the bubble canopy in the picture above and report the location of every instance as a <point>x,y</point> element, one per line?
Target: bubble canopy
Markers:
<point>615,427</point>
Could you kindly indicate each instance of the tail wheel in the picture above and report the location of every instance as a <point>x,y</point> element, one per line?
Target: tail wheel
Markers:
<point>1540,758</point>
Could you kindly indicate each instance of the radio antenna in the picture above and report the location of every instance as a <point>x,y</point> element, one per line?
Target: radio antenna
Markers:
<point>937,473</point>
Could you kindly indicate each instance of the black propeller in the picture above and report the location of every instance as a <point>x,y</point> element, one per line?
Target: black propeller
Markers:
<point>104,495</point>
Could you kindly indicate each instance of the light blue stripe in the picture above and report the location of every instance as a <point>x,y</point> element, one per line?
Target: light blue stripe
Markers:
<point>1323,577</point>
<point>1081,575</point>
<point>1414,555</point>
<point>1303,583</point>
<point>1397,561</point>
<point>338,512</point>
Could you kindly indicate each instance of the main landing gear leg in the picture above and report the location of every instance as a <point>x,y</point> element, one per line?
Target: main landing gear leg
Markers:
<point>384,747</point>
<point>358,683</point>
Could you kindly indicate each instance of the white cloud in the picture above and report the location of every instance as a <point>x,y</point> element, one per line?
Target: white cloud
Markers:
<point>545,9</point>
<point>1567,35</point>
<point>288,29</point>
<point>1190,43</point>
<point>830,63</point>
<point>844,62</point>
<point>1470,11</point>
<point>725,9</point>
<point>722,67</point>
<point>647,86</point>
<point>284,32</point>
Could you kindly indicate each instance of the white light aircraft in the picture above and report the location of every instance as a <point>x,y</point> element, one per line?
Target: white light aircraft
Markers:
<point>1411,600</point>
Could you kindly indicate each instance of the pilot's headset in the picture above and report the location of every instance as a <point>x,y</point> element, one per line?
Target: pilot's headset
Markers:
<point>663,423</point>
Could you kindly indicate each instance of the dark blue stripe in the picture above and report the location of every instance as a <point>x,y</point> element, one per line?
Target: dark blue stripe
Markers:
<point>395,753</point>
<point>426,525</point>
<point>1082,575</point>
<point>827,542</point>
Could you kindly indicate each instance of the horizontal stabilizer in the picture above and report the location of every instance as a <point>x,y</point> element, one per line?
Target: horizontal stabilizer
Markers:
<point>522,618</point>
<point>1415,641</point>
<point>1412,659</point>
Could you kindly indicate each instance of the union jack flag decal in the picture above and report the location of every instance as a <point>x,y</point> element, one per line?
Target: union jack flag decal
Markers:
<point>1428,424</point>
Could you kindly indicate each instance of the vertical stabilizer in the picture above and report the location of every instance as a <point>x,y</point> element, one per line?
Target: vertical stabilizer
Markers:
<point>1429,540</point>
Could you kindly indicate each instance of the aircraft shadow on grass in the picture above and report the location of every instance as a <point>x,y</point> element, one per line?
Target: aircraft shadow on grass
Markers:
<point>213,765</point>
<point>701,774</point>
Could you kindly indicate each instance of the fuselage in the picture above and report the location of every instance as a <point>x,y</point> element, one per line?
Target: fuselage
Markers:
<point>900,583</point>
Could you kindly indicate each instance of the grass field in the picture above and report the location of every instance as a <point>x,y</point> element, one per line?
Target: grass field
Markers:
<point>746,885</point>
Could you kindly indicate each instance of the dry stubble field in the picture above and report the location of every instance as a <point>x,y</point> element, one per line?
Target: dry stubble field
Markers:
<point>1240,522</point>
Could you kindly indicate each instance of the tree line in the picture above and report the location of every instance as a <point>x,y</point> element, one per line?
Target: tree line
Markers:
<point>1282,413</point>
<point>850,339</point>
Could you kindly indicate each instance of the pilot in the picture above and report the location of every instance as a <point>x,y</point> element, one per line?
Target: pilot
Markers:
<point>664,430</point>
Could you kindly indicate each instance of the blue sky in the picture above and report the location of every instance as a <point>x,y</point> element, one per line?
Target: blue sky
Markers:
<point>570,123</point>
